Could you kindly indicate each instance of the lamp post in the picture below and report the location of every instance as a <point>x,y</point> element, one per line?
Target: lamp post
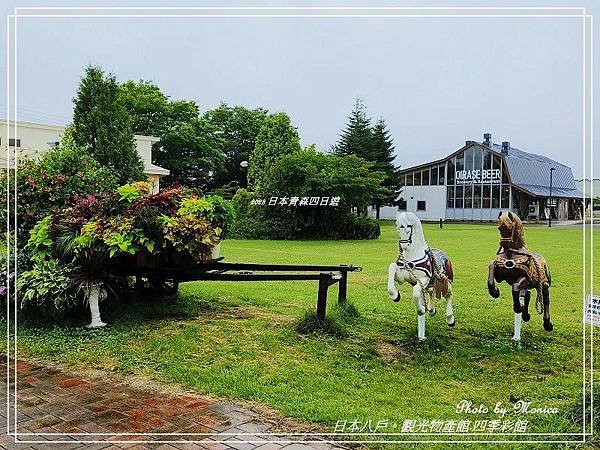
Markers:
<point>552,169</point>
<point>244,166</point>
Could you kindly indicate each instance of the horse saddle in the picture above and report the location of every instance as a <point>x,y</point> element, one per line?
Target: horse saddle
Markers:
<point>530,265</point>
<point>425,264</point>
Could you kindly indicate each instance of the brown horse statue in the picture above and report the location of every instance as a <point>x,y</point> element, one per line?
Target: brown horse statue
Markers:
<point>523,270</point>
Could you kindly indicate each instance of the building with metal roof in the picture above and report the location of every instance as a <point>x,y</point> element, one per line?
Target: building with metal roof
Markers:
<point>479,180</point>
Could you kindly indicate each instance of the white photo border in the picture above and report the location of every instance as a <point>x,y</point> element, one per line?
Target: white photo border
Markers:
<point>587,36</point>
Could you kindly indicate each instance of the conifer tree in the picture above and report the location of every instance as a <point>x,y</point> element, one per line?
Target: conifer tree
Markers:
<point>103,126</point>
<point>357,138</point>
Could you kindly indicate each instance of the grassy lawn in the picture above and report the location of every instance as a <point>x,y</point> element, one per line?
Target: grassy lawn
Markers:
<point>238,340</point>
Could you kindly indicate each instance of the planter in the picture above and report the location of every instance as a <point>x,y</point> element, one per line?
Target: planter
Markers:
<point>216,251</point>
<point>147,260</point>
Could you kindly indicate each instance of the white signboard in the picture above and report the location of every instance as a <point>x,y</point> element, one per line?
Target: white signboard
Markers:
<point>490,176</point>
<point>592,310</point>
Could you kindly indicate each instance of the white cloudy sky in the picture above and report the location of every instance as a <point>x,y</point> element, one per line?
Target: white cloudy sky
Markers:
<point>436,81</point>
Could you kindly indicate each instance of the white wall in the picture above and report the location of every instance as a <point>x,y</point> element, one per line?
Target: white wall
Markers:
<point>434,197</point>
<point>385,212</point>
<point>35,138</point>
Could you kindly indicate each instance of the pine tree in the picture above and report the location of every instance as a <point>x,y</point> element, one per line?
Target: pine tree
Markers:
<point>383,160</point>
<point>103,125</point>
<point>357,138</point>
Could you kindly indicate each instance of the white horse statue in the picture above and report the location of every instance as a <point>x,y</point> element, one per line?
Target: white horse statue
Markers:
<point>428,270</point>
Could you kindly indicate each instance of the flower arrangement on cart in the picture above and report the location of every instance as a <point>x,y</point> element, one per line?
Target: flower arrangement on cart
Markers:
<point>79,252</point>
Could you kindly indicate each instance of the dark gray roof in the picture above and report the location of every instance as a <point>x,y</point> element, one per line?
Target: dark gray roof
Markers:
<point>531,172</point>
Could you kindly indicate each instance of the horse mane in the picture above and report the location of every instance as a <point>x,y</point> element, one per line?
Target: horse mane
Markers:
<point>513,221</point>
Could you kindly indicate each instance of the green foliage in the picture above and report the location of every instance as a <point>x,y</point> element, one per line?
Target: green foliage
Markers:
<point>152,112</point>
<point>192,152</point>
<point>190,147</point>
<point>308,173</point>
<point>190,234</point>
<point>53,182</point>
<point>129,193</point>
<point>277,138</point>
<point>218,211</point>
<point>40,241</point>
<point>374,144</point>
<point>104,127</point>
<point>357,138</point>
<point>48,283</point>
<point>239,128</point>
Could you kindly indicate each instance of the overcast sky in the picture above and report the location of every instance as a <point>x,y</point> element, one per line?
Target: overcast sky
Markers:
<point>436,81</point>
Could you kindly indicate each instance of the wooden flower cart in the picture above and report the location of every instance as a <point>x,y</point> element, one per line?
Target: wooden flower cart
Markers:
<point>178,267</point>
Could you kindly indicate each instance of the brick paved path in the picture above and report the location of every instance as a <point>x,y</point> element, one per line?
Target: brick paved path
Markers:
<point>52,401</point>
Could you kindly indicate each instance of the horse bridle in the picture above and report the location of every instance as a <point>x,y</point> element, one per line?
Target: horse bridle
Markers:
<point>409,240</point>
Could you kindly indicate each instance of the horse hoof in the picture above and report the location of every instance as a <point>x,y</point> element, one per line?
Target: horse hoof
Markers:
<point>397,298</point>
<point>453,324</point>
<point>433,312</point>
<point>548,325</point>
<point>494,291</point>
<point>526,317</point>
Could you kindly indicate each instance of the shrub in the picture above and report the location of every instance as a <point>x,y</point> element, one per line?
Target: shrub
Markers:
<point>310,174</point>
<point>52,182</point>
<point>47,284</point>
<point>353,226</point>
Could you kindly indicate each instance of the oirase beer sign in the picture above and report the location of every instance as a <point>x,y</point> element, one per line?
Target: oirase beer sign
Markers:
<point>478,176</point>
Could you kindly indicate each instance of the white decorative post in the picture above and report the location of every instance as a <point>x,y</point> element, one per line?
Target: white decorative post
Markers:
<point>93,297</point>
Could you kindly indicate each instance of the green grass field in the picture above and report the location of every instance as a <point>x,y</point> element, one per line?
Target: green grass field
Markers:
<point>238,340</point>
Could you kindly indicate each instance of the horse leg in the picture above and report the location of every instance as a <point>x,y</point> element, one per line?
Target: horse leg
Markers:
<point>392,291</point>
<point>546,300</point>
<point>526,316</point>
<point>450,320</point>
<point>419,299</point>
<point>517,293</point>
<point>431,306</point>
<point>491,284</point>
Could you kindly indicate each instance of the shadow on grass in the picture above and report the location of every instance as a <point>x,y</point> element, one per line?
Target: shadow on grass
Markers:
<point>126,312</point>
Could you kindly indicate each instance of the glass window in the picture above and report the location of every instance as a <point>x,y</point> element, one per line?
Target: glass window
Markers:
<point>486,196</point>
<point>450,197</point>
<point>504,174</point>
<point>459,197</point>
<point>460,162</point>
<point>505,200</point>
<point>487,160</point>
<point>420,205</point>
<point>496,196</point>
<point>497,162</point>
<point>477,196</point>
<point>468,197</point>
<point>477,159</point>
<point>402,179</point>
<point>401,204</point>
<point>451,171</point>
<point>441,174</point>
<point>425,177</point>
<point>469,158</point>
<point>434,175</point>
<point>409,179</point>
<point>417,178</point>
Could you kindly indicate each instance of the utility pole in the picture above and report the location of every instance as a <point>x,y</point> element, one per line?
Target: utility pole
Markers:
<point>552,169</point>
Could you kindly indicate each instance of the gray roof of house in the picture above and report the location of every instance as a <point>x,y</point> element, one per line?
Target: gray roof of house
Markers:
<point>531,172</point>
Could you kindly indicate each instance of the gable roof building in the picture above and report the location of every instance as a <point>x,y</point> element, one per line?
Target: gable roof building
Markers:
<point>478,180</point>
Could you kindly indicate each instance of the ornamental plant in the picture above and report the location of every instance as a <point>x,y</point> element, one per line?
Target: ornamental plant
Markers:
<point>92,238</point>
